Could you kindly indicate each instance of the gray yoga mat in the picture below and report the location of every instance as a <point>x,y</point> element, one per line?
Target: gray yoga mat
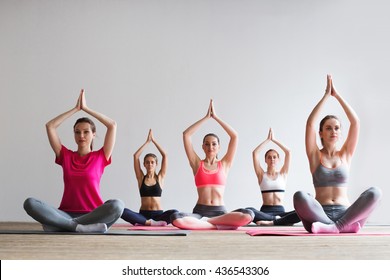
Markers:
<point>110,232</point>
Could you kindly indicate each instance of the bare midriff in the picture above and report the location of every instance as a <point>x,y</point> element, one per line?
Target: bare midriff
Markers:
<point>332,195</point>
<point>151,203</point>
<point>211,195</point>
<point>273,198</point>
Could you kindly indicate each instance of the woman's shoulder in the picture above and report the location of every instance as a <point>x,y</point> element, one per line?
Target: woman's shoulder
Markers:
<point>282,173</point>
<point>344,157</point>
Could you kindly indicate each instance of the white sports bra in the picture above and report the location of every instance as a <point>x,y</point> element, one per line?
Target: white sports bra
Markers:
<point>269,185</point>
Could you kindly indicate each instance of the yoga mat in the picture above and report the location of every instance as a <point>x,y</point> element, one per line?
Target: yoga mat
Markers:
<point>154,228</point>
<point>303,232</point>
<point>170,228</point>
<point>110,232</point>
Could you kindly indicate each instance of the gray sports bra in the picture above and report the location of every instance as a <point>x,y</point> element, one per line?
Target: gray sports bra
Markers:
<point>337,177</point>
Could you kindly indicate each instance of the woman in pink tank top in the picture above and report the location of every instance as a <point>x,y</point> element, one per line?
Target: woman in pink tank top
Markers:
<point>82,208</point>
<point>210,176</point>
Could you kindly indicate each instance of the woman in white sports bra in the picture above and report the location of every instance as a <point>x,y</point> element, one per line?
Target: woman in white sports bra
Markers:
<point>330,211</point>
<point>272,185</point>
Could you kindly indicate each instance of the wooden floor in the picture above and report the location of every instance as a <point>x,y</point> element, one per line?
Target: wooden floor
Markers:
<point>197,245</point>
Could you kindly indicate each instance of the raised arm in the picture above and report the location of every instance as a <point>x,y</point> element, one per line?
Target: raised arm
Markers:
<point>137,164</point>
<point>52,125</point>
<point>312,150</point>
<point>351,141</point>
<point>256,157</point>
<point>227,159</point>
<point>109,139</point>
<point>164,159</point>
<point>287,154</point>
<point>193,158</point>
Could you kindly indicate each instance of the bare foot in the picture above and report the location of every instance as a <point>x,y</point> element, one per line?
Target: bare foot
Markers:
<point>265,223</point>
<point>157,223</point>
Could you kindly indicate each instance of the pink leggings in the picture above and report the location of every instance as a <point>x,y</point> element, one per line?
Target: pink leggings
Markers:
<point>310,210</point>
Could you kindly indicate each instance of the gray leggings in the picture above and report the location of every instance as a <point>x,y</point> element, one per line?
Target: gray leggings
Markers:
<point>59,220</point>
<point>310,210</point>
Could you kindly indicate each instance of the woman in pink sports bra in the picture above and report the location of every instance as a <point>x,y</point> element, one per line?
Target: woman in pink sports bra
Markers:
<point>210,177</point>
<point>330,211</point>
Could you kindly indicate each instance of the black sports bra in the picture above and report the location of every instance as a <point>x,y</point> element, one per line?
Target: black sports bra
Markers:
<point>146,191</point>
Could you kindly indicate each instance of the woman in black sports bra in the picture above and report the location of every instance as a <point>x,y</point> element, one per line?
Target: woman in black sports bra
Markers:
<point>150,187</point>
<point>330,211</point>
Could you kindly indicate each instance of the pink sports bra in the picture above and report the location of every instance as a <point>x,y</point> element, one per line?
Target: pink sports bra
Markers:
<point>204,177</point>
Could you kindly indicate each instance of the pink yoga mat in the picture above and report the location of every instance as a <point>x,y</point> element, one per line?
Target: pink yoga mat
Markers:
<point>302,232</point>
<point>170,227</point>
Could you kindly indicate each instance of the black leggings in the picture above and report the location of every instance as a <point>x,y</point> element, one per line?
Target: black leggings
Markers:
<point>270,213</point>
<point>209,211</point>
<point>144,215</point>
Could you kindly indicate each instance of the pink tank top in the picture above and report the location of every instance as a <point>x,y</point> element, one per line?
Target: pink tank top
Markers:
<point>204,177</point>
<point>81,180</point>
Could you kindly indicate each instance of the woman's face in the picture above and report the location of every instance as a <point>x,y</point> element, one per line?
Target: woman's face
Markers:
<point>150,164</point>
<point>331,131</point>
<point>272,159</point>
<point>210,146</point>
<point>83,134</point>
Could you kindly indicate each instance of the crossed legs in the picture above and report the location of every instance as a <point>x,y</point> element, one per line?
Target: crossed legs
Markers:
<point>53,219</point>
<point>317,219</point>
<point>220,219</point>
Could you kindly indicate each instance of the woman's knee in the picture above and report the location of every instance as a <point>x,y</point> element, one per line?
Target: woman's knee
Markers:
<point>172,211</point>
<point>303,201</point>
<point>116,206</point>
<point>374,193</point>
<point>251,208</point>
<point>299,196</point>
<point>29,203</point>
<point>248,213</point>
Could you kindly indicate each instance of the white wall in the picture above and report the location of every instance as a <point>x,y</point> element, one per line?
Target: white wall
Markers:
<point>156,64</point>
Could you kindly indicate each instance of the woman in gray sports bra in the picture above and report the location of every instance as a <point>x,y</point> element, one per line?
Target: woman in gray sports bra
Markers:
<point>330,211</point>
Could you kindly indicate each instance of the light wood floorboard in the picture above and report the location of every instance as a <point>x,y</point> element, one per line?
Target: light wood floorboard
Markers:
<point>197,245</point>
